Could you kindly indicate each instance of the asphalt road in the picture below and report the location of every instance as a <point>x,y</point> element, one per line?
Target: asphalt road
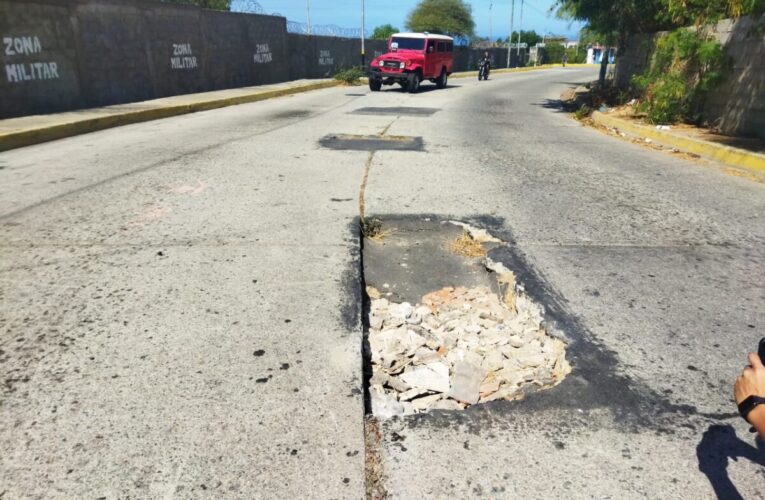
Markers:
<point>180,303</point>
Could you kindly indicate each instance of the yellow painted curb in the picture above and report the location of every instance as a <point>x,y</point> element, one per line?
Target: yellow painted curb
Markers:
<point>719,152</point>
<point>36,135</point>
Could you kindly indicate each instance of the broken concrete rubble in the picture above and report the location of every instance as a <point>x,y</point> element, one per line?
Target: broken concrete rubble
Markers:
<point>460,346</point>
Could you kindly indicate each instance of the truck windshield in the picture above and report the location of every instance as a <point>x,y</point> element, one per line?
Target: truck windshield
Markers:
<point>408,43</point>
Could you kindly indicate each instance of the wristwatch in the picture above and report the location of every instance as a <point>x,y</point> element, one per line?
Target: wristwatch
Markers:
<point>747,405</point>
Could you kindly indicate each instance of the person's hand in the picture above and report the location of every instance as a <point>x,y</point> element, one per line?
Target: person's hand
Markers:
<point>751,382</point>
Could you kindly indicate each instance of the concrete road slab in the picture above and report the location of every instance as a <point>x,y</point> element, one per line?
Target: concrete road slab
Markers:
<point>184,323</point>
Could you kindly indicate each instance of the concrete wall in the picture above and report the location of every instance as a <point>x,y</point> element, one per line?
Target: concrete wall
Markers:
<point>80,53</point>
<point>323,56</point>
<point>39,59</point>
<point>68,54</point>
<point>737,106</point>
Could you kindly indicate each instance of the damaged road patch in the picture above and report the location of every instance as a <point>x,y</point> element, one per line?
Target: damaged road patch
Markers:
<point>372,142</point>
<point>474,339</point>
<point>396,111</point>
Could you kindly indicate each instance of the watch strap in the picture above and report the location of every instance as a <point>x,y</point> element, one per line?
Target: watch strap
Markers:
<point>748,404</point>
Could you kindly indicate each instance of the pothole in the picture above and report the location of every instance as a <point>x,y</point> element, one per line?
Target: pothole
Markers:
<point>450,327</point>
<point>284,115</point>
<point>396,110</point>
<point>372,142</point>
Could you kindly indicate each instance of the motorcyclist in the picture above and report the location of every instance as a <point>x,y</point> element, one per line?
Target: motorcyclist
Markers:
<point>485,61</point>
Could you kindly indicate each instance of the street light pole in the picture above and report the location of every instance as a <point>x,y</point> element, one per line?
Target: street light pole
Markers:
<point>363,54</point>
<point>308,14</point>
<point>520,28</point>
<point>510,36</point>
<point>491,35</point>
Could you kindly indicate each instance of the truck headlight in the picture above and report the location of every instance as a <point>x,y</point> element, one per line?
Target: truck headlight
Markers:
<point>380,62</point>
<point>402,65</point>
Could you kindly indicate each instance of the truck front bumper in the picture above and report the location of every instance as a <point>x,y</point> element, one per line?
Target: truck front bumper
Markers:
<point>389,77</point>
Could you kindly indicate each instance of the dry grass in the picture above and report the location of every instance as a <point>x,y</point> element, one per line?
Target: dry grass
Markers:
<point>380,235</point>
<point>375,475</point>
<point>373,229</point>
<point>466,246</point>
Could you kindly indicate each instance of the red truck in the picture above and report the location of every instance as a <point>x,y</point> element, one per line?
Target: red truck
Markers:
<point>412,58</point>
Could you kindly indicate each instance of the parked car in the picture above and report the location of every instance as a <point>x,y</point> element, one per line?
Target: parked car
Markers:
<point>412,58</point>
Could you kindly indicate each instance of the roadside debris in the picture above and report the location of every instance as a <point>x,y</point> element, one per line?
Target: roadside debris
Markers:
<point>459,347</point>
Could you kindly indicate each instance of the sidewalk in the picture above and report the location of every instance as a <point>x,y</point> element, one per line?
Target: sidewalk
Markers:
<point>707,145</point>
<point>28,130</point>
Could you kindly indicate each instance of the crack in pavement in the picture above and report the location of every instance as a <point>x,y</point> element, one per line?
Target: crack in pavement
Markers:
<point>367,169</point>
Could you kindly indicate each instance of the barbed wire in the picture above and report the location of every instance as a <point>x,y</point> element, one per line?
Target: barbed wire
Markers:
<point>322,30</point>
<point>254,7</point>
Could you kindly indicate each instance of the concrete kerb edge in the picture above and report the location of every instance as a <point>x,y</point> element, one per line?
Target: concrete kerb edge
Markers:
<point>724,154</point>
<point>37,135</point>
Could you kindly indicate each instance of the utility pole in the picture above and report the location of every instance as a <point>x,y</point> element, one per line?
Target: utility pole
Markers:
<point>363,55</point>
<point>308,14</point>
<point>491,36</point>
<point>510,36</point>
<point>520,28</point>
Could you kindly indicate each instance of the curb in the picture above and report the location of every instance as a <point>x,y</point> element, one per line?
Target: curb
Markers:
<point>718,152</point>
<point>37,135</point>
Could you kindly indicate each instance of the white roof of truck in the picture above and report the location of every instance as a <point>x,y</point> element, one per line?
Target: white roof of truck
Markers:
<point>431,36</point>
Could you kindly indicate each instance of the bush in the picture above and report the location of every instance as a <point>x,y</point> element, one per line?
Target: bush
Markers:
<point>576,55</point>
<point>349,76</point>
<point>583,112</point>
<point>554,53</point>
<point>684,67</point>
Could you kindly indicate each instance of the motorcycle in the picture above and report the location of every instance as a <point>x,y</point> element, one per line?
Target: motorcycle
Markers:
<point>483,70</point>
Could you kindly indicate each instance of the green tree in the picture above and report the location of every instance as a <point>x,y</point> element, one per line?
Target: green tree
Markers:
<point>205,4</point>
<point>448,17</point>
<point>384,32</point>
<point>588,37</point>
<point>614,21</point>
<point>684,12</point>
<point>530,37</point>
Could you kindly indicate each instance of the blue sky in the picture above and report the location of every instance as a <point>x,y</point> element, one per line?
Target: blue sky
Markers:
<point>347,14</point>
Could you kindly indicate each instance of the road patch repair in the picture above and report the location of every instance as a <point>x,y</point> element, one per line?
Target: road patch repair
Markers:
<point>372,142</point>
<point>396,111</point>
<point>449,326</point>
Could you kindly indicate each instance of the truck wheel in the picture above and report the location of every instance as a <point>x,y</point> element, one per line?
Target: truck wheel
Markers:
<point>413,83</point>
<point>375,84</point>
<point>442,80</point>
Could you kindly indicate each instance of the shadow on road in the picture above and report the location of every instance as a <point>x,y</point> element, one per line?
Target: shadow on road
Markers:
<point>554,104</point>
<point>718,444</point>
<point>422,90</point>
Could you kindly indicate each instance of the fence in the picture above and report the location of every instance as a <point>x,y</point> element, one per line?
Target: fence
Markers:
<point>68,54</point>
